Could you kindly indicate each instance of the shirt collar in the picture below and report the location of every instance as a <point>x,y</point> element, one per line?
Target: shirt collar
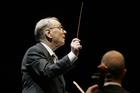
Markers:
<point>48,48</point>
<point>112,83</point>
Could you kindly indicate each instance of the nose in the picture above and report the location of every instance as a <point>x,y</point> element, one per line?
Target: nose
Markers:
<point>65,31</point>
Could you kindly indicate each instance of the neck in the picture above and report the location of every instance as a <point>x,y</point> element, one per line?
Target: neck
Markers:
<point>51,45</point>
<point>113,80</point>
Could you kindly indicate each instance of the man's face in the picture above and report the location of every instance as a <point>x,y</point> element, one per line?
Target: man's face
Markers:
<point>57,33</point>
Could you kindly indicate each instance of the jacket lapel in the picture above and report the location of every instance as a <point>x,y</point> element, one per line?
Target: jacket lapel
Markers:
<point>45,51</point>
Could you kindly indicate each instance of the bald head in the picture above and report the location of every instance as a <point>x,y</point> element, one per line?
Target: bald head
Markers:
<point>115,62</point>
<point>113,57</point>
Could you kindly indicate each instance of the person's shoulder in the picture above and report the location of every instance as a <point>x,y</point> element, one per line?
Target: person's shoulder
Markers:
<point>34,47</point>
<point>125,91</point>
<point>114,89</point>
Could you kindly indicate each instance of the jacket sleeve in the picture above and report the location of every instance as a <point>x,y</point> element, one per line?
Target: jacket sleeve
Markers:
<point>42,65</point>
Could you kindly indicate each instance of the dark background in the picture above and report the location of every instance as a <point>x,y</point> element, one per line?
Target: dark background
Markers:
<point>105,25</point>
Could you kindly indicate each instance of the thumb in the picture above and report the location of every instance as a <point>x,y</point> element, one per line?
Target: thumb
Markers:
<point>91,89</point>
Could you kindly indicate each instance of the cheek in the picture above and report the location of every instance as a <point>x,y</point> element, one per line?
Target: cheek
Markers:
<point>56,36</point>
<point>57,33</point>
<point>53,34</point>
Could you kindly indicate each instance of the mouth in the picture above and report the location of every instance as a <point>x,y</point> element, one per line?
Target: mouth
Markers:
<point>64,37</point>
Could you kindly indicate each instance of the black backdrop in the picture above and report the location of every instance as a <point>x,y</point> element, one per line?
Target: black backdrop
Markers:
<point>105,25</point>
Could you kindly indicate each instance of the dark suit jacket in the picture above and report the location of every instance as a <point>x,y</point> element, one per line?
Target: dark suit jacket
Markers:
<point>40,74</point>
<point>111,89</point>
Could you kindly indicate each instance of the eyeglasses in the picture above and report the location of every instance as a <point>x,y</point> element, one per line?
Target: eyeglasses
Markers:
<point>59,27</point>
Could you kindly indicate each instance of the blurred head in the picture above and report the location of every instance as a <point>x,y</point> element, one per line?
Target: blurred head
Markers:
<point>115,63</point>
<point>50,30</point>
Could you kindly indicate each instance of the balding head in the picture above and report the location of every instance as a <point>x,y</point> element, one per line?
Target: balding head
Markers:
<point>113,57</point>
<point>115,62</point>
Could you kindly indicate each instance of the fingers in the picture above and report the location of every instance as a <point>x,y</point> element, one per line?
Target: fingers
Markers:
<point>75,46</point>
<point>76,43</point>
<point>75,39</point>
<point>92,89</point>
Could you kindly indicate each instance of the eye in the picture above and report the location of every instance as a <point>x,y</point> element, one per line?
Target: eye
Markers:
<point>60,27</point>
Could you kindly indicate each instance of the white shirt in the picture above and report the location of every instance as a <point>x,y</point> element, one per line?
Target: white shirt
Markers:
<point>71,55</point>
<point>112,83</point>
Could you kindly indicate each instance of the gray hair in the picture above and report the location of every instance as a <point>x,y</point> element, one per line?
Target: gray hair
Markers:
<point>41,25</point>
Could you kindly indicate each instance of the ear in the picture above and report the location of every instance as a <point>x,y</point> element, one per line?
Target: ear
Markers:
<point>47,34</point>
<point>124,72</point>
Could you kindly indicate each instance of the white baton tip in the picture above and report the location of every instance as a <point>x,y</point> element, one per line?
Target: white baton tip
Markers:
<point>78,87</point>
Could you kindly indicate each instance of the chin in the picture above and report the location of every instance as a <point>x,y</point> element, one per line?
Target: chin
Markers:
<point>63,42</point>
<point>60,44</point>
